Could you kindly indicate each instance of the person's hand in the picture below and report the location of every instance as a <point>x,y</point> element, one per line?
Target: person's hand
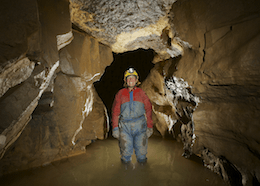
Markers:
<point>115,133</point>
<point>149,132</point>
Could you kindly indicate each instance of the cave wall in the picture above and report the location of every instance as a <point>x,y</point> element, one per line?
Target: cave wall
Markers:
<point>49,107</point>
<point>47,70</point>
<point>223,67</point>
<point>27,62</point>
<point>164,111</point>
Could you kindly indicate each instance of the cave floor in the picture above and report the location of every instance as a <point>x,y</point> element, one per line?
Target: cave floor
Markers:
<point>101,165</point>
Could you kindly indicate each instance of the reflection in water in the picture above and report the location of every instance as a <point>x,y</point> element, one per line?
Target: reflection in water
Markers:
<point>101,165</point>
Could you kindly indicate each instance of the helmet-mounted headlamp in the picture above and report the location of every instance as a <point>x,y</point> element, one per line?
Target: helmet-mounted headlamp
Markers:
<point>130,72</point>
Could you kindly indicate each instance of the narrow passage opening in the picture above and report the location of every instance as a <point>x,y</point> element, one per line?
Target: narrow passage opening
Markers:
<point>112,80</point>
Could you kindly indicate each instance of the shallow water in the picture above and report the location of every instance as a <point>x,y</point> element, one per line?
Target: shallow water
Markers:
<point>101,165</point>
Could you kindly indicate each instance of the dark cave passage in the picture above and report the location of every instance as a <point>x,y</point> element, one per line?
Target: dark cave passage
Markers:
<point>112,80</point>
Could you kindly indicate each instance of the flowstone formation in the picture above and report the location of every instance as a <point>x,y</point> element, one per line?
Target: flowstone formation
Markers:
<point>185,103</point>
<point>173,103</point>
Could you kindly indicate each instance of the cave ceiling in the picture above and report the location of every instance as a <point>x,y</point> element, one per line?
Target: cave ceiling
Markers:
<point>129,25</point>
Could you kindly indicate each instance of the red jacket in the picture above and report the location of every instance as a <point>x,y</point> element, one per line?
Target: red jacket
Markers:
<point>131,105</point>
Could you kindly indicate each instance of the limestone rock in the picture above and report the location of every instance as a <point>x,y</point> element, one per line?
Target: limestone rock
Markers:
<point>72,105</point>
<point>219,43</point>
<point>70,115</point>
<point>171,101</point>
<point>15,73</point>
<point>17,27</point>
<point>82,62</point>
<point>83,57</point>
<point>223,68</point>
<point>28,61</point>
<point>19,104</point>
<point>55,22</point>
<point>96,123</point>
<point>64,39</point>
<point>128,25</point>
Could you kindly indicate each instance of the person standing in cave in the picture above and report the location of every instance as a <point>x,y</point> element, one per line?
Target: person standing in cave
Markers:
<point>132,119</point>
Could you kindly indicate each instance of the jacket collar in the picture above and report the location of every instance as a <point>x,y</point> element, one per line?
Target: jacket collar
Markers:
<point>132,89</point>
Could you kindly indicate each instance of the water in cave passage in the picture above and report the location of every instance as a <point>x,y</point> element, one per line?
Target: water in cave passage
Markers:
<point>101,165</point>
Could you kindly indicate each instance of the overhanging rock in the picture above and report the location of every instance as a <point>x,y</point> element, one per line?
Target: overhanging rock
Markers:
<point>129,25</point>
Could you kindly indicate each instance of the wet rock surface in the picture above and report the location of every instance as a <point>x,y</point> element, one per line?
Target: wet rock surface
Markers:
<point>17,30</point>
<point>173,103</point>
<point>50,107</point>
<point>223,67</point>
<point>28,63</point>
<point>47,70</point>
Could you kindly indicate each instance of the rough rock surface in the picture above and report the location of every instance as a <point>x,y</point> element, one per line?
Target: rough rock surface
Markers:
<point>161,98</point>
<point>223,67</point>
<point>128,25</point>
<point>173,103</point>
<point>219,41</point>
<point>15,73</point>
<point>25,71</point>
<point>50,109</point>
<point>17,30</point>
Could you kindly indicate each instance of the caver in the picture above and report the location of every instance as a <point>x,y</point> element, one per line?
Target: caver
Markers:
<point>132,119</point>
